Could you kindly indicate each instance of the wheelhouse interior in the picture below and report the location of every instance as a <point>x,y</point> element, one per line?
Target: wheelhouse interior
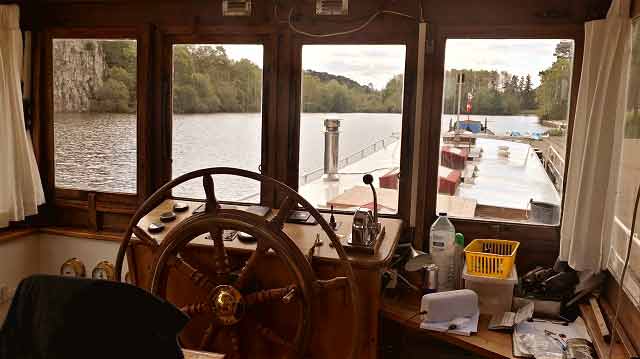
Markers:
<point>320,178</point>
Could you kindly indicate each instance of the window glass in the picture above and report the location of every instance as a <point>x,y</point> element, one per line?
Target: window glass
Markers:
<point>94,100</point>
<point>503,129</point>
<point>351,96</point>
<point>217,116</point>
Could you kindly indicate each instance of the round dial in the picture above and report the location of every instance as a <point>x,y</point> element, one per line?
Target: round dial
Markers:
<point>73,268</point>
<point>104,271</point>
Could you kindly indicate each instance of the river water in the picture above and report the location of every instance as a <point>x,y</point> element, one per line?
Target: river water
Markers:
<point>98,151</point>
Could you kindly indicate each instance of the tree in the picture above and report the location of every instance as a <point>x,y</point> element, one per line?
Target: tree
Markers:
<point>564,50</point>
<point>553,93</point>
<point>113,96</point>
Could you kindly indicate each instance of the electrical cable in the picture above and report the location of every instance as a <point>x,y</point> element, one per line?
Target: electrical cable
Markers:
<point>345,32</point>
<point>624,271</point>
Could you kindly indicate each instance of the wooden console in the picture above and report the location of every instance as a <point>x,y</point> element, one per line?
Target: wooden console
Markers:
<point>332,316</point>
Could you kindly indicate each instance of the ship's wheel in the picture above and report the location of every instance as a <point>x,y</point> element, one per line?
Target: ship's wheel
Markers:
<point>233,311</point>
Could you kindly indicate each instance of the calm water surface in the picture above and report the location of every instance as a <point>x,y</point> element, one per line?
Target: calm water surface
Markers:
<point>98,151</point>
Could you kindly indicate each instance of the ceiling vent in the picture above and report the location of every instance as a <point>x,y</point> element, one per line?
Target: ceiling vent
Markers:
<point>332,7</point>
<point>236,7</point>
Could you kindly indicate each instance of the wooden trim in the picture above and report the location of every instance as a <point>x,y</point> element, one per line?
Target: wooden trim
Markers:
<point>601,346</point>
<point>635,8</point>
<point>629,317</point>
<point>430,149</point>
<point>82,234</point>
<point>92,216</point>
<point>14,234</point>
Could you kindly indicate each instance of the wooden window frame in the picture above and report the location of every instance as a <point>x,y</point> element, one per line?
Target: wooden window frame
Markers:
<point>529,234</point>
<point>97,201</point>
<point>267,40</point>
<point>408,107</point>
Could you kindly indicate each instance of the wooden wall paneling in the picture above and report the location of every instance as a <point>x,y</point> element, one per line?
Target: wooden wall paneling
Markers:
<point>156,118</point>
<point>144,93</point>
<point>270,124</point>
<point>427,190</point>
<point>46,118</point>
<point>292,99</point>
<point>408,124</point>
<point>629,316</point>
<point>92,215</point>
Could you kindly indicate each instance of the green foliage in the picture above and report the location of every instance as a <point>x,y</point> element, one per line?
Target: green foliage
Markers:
<point>553,92</point>
<point>118,91</point>
<point>205,80</point>
<point>494,93</point>
<point>323,92</point>
<point>113,96</point>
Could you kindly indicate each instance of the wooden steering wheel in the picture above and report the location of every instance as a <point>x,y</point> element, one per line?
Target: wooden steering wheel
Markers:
<point>231,297</point>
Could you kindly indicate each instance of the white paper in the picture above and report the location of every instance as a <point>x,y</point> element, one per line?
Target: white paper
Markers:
<point>470,326</point>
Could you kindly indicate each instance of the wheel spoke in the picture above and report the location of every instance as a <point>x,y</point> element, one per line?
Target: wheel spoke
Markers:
<point>221,260</point>
<point>209,190</point>
<point>286,294</point>
<point>235,342</point>
<point>144,236</point>
<point>272,336</point>
<point>209,336</point>
<point>196,309</point>
<point>197,277</point>
<point>283,213</point>
<point>247,270</point>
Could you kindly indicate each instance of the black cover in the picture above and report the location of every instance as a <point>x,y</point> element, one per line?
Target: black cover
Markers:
<point>56,317</point>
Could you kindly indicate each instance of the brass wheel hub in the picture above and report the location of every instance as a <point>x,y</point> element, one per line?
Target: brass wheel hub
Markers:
<point>228,304</point>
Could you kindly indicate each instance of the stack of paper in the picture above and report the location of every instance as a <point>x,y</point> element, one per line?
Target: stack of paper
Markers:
<point>461,326</point>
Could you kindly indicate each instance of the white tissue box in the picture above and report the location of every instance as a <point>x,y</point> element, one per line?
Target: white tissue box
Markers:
<point>447,306</point>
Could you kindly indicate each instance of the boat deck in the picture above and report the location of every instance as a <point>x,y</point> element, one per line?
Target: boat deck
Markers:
<point>502,182</point>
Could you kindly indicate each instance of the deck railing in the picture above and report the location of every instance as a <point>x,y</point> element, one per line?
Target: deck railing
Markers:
<point>352,158</point>
<point>554,163</point>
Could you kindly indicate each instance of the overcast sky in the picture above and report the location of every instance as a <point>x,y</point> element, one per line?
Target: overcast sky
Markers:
<point>377,64</point>
<point>518,57</point>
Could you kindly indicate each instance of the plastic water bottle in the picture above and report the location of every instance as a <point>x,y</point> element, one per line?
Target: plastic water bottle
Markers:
<point>442,249</point>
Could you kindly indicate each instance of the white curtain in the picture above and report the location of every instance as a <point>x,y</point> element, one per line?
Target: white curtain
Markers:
<point>20,186</point>
<point>596,141</point>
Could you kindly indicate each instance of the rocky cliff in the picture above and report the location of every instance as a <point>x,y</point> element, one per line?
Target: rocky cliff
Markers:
<point>78,70</point>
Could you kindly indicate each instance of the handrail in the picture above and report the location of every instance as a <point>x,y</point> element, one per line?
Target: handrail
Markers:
<point>352,158</point>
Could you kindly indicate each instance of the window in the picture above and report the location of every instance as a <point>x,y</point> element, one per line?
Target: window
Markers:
<point>95,120</point>
<point>628,180</point>
<point>361,88</point>
<point>217,116</point>
<point>503,129</point>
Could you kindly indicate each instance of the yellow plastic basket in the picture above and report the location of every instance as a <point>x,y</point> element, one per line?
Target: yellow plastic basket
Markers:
<point>492,258</point>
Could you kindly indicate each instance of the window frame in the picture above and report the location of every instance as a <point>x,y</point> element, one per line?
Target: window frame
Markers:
<point>268,87</point>
<point>542,234</point>
<point>408,108</point>
<point>109,202</point>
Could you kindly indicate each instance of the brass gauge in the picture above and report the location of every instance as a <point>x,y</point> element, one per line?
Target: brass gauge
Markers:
<point>104,271</point>
<point>73,268</point>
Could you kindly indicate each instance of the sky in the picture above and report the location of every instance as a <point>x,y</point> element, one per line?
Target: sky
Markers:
<point>377,64</point>
<point>518,57</point>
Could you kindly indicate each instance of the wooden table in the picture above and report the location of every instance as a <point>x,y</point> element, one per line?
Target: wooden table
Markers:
<point>332,317</point>
<point>486,343</point>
